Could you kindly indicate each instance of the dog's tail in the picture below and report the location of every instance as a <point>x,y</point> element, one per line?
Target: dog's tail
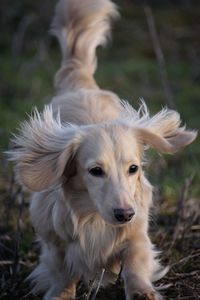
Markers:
<point>81,26</point>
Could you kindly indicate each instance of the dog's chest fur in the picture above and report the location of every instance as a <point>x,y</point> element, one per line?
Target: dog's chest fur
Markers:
<point>94,242</point>
<point>87,242</point>
<point>95,245</point>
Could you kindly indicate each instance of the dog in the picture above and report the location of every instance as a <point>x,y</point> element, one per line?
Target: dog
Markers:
<point>82,158</point>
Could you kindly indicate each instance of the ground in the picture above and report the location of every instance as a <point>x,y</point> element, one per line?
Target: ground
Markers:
<point>129,67</point>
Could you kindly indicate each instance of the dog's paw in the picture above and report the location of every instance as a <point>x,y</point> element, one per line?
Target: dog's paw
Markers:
<point>64,296</point>
<point>149,295</point>
<point>152,296</point>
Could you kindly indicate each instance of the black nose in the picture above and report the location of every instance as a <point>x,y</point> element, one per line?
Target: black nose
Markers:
<point>123,215</point>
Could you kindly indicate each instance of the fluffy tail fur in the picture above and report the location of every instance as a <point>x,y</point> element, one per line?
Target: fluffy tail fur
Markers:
<point>81,26</point>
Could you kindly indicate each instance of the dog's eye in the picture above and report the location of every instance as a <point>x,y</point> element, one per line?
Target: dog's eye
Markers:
<point>97,171</point>
<point>132,169</point>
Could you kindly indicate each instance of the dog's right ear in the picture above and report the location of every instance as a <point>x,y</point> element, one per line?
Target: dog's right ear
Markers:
<point>43,149</point>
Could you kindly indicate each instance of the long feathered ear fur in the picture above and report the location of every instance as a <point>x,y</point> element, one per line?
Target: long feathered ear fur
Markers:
<point>42,149</point>
<point>162,131</point>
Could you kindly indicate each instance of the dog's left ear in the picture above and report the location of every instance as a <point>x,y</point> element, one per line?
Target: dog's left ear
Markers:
<point>43,150</point>
<point>164,134</point>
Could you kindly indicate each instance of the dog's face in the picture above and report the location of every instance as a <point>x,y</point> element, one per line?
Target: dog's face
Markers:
<point>109,162</point>
<point>107,158</point>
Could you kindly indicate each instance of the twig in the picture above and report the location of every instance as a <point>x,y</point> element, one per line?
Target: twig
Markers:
<point>184,275</point>
<point>6,248</point>
<point>159,56</point>
<point>95,287</point>
<point>10,263</point>
<point>10,200</point>
<point>184,196</point>
<point>98,285</point>
<point>185,259</point>
<point>180,211</point>
<point>18,236</point>
<point>92,286</point>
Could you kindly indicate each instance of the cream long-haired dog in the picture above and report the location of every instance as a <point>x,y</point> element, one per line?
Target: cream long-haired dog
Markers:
<point>82,158</point>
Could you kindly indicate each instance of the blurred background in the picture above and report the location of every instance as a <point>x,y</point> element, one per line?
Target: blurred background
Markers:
<point>154,54</point>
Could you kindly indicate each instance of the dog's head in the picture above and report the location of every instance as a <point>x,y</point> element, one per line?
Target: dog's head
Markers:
<point>103,159</point>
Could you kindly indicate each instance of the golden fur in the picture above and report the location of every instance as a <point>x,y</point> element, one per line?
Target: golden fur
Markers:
<point>86,127</point>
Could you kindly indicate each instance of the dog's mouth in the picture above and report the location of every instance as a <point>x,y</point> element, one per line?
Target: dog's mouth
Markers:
<point>119,223</point>
<point>122,223</point>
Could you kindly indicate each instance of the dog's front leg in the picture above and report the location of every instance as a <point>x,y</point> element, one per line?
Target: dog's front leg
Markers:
<point>69,293</point>
<point>138,266</point>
